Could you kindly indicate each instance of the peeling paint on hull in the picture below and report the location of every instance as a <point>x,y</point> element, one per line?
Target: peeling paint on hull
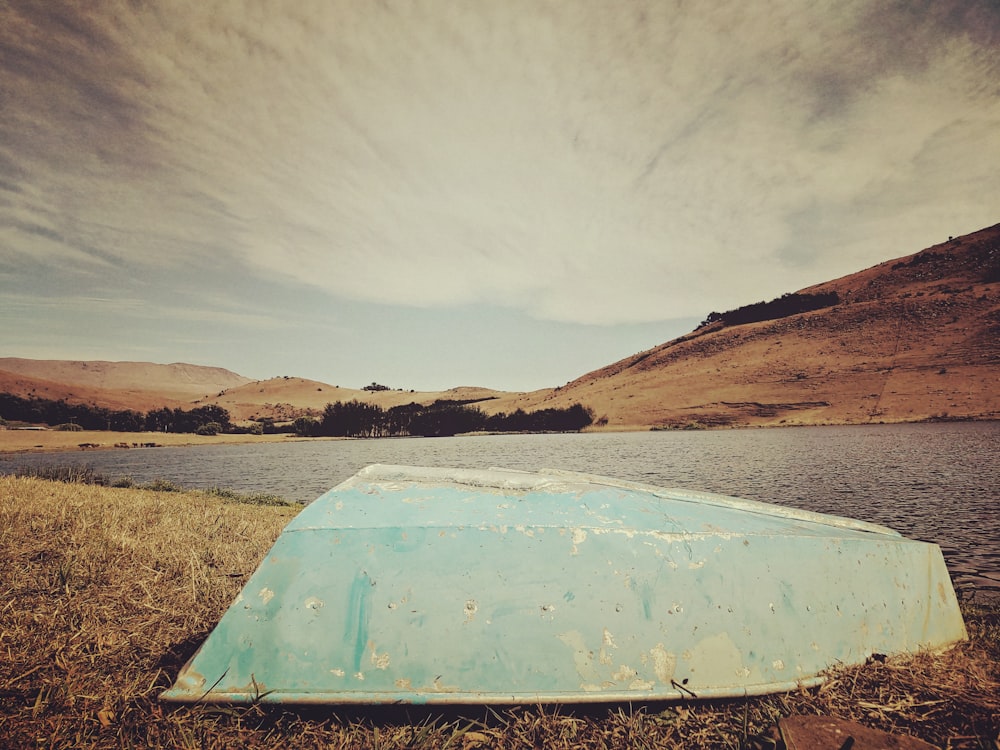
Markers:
<point>422,585</point>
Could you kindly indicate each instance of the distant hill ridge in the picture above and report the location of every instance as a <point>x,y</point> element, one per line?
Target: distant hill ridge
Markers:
<point>913,338</point>
<point>909,339</point>
<point>177,381</point>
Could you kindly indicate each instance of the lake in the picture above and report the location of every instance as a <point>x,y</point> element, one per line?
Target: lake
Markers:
<point>936,482</point>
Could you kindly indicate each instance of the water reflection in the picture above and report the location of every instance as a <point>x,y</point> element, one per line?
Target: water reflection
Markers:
<point>932,482</point>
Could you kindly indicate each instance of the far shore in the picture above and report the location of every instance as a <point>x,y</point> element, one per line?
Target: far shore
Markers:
<point>55,441</point>
<point>51,441</point>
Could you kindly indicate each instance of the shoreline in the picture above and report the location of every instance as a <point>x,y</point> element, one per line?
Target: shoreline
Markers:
<point>15,441</point>
<point>55,441</point>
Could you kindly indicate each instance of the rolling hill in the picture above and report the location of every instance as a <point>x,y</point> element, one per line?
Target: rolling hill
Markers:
<point>286,398</point>
<point>914,338</point>
<point>911,339</point>
<point>124,380</point>
<point>143,386</point>
<point>140,386</point>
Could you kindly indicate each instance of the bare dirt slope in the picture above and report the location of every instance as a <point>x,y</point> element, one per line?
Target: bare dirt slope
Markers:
<point>911,339</point>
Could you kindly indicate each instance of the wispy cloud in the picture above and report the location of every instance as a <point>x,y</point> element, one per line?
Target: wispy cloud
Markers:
<point>110,308</point>
<point>599,163</point>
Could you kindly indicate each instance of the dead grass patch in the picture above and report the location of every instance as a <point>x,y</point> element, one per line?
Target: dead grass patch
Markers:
<point>105,592</point>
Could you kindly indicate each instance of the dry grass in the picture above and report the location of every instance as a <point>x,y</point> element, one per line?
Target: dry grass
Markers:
<point>105,592</point>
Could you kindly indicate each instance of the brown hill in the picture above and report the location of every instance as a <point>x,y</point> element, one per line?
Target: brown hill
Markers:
<point>287,398</point>
<point>910,339</point>
<point>141,386</point>
<point>178,380</point>
<point>28,387</point>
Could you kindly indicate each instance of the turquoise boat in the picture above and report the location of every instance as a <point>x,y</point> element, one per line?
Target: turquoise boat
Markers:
<point>455,586</point>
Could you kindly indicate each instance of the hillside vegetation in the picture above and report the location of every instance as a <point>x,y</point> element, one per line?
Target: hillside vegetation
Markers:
<point>911,339</point>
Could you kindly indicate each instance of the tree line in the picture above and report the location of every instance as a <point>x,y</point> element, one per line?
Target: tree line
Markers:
<point>440,419</point>
<point>350,419</point>
<point>36,410</point>
<point>788,304</point>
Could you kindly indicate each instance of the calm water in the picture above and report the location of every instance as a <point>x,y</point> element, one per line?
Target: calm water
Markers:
<point>937,482</point>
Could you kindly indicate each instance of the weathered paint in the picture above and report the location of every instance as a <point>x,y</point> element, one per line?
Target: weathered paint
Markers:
<point>457,586</point>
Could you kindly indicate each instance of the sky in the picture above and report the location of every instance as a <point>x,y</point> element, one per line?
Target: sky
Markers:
<point>438,193</point>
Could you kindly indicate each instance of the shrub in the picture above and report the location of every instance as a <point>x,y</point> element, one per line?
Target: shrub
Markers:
<point>247,498</point>
<point>69,473</point>
<point>162,485</point>
<point>307,427</point>
<point>784,306</point>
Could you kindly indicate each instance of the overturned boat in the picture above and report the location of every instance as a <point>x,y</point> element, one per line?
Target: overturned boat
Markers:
<point>421,585</point>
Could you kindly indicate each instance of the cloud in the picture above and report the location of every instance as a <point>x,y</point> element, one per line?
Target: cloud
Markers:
<point>106,309</point>
<point>594,164</point>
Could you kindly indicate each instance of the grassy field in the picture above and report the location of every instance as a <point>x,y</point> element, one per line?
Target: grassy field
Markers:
<point>105,593</point>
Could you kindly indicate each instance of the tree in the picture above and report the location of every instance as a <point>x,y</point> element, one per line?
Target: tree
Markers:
<point>353,419</point>
<point>307,427</point>
<point>447,420</point>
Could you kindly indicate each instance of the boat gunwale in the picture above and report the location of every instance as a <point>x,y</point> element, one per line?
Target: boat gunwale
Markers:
<point>677,693</point>
<point>502,479</point>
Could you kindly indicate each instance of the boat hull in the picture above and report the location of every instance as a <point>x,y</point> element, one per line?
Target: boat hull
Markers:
<point>441,586</point>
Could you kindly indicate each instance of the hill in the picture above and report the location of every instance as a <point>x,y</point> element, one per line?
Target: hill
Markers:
<point>127,385</point>
<point>910,339</point>
<point>28,387</point>
<point>143,386</point>
<point>288,397</point>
